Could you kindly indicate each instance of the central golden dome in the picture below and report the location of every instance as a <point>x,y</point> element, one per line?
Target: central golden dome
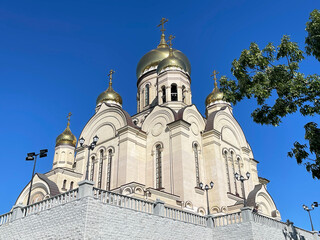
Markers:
<point>155,56</point>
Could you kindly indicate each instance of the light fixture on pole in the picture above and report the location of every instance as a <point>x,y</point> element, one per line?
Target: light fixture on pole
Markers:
<point>30,157</point>
<point>242,179</point>
<point>207,187</point>
<point>91,146</point>
<point>315,204</point>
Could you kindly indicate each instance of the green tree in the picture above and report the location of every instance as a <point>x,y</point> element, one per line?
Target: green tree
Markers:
<point>273,72</point>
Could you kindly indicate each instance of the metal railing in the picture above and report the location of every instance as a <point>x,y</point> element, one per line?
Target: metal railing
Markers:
<point>228,219</point>
<point>184,216</point>
<point>123,201</point>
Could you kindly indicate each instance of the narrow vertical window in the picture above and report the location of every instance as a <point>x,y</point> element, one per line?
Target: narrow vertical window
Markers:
<point>196,159</point>
<point>100,169</point>
<point>71,185</point>
<point>163,89</point>
<point>234,171</point>
<point>138,102</point>
<point>158,167</point>
<point>227,170</point>
<point>183,94</point>
<point>109,169</point>
<point>64,184</point>
<point>174,92</point>
<point>147,95</point>
<point>92,169</point>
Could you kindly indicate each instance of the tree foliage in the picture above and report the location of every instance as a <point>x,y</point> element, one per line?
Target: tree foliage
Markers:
<point>313,38</point>
<point>273,73</point>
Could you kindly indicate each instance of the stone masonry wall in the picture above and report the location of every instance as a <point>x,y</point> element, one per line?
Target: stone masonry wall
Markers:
<point>88,218</point>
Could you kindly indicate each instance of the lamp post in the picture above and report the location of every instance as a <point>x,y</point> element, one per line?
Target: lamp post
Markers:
<point>206,187</point>
<point>91,146</point>
<point>242,179</point>
<point>315,204</point>
<point>30,157</point>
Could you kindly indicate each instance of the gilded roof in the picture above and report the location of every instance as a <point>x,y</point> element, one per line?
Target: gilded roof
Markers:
<point>155,56</point>
<point>171,61</point>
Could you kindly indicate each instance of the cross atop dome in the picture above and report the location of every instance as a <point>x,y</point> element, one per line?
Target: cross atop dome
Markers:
<point>68,117</point>
<point>171,37</point>
<point>214,75</point>
<point>110,76</point>
<point>163,43</point>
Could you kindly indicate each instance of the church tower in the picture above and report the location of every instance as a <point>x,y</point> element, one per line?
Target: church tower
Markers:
<point>163,76</point>
<point>64,150</point>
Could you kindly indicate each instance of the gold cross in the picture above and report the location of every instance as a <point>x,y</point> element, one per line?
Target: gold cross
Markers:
<point>170,40</point>
<point>69,115</point>
<point>162,22</point>
<point>110,76</point>
<point>214,75</point>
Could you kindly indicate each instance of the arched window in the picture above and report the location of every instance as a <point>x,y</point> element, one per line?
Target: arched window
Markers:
<point>100,169</point>
<point>174,92</point>
<point>92,169</point>
<point>63,156</point>
<point>183,94</point>
<point>147,95</point>
<point>138,101</point>
<point>71,185</point>
<point>233,173</point>
<point>64,184</point>
<point>196,159</point>
<point>163,89</point>
<point>158,167</point>
<point>109,169</point>
<point>225,156</point>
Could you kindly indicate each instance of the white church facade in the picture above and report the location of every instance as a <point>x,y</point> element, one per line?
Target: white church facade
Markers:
<point>168,150</point>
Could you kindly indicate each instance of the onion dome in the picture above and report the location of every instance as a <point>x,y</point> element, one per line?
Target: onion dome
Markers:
<point>109,95</point>
<point>171,61</point>
<point>151,59</point>
<point>66,137</point>
<point>215,95</point>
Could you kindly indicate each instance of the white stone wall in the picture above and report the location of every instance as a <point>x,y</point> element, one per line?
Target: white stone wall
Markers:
<point>88,218</point>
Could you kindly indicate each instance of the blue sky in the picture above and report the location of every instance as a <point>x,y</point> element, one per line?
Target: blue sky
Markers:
<point>55,55</point>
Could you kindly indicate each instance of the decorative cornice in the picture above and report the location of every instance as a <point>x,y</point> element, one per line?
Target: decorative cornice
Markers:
<point>246,150</point>
<point>179,123</point>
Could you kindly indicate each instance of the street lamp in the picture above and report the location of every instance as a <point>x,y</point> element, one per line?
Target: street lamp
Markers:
<point>30,157</point>
<point>91,146</point>
<point>242,179</point>
<point>206,187</point>
<point>315,204</point>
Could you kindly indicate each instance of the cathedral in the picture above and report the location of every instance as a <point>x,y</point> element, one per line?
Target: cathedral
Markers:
<point>168,150</point>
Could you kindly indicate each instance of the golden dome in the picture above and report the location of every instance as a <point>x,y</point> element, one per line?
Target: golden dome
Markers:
<point>171,61</point>
<point>155,56</point>
<point>109,94</point>
<point>215,95</point>
<point>66,138</point>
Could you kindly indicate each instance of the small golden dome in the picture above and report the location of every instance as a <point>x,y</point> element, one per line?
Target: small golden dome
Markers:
<point>66,137</point>
<point>171,61</point>
<point>215,95</point>
<point>109,94</point>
